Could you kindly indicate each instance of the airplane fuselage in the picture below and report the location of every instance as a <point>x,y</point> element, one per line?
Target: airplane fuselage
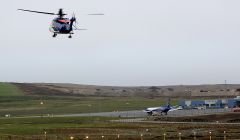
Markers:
<point>152,110</point>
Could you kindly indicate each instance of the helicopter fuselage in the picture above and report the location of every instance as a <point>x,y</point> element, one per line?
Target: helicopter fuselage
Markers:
<point>61,26</point>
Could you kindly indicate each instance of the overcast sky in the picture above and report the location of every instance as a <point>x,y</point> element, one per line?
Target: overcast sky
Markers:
<point>137,42</point>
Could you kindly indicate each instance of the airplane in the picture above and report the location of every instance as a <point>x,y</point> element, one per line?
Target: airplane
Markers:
<point>61,25</point>
<point>162,109</point>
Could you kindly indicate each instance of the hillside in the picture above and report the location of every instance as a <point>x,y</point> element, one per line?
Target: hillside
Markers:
<point>113,91</point>
<point>7,89</point>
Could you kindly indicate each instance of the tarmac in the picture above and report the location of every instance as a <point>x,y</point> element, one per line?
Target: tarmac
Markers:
<point>140,113</point>
<point>137,113</point>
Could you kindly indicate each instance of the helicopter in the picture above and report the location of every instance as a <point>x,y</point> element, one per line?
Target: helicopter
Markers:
<point>60,24</point>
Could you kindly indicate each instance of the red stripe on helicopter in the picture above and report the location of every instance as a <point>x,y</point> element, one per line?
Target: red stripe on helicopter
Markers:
<point>64,21</point>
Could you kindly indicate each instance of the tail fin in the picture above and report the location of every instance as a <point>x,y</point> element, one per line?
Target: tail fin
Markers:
<point>168,105</point>
<point>168,102</point>
<point>73,19</point>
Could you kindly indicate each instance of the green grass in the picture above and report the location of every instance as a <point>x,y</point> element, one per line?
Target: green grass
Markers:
<point>36,126</point>
<point>9,90</point>
<point>69,125</point>
<point>30,105</point>
<point>15,102</point>
<point>95,127</point>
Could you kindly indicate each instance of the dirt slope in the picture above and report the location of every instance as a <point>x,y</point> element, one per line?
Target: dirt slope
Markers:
<point>111,91</point>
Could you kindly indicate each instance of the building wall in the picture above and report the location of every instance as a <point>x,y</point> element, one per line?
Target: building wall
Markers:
<point>230,103</point>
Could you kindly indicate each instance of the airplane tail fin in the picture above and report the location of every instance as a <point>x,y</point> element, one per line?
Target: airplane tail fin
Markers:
<point>168,103</point>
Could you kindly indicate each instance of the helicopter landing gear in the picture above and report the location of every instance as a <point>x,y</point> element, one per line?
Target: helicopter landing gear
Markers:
<point>54,35</point>
<point>70,36</point>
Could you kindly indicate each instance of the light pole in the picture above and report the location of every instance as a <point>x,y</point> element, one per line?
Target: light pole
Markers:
<point>225,137</point>
<point>194,134</point>
<point>118,136</point>
<point>45,135</point>
<point>164,136</point>
<point>41,103</point>
<point>180,135</point>
<point>210,135</point>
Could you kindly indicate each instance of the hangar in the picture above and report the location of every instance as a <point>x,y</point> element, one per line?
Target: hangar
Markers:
<point>216,103</point>
<point>237,99</point>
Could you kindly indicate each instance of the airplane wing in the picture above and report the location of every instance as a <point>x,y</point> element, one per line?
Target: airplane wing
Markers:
<point>151,109</point>
<point>176,108</point>
<point>159,109</point>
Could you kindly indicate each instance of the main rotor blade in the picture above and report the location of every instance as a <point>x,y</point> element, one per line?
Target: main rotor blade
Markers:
<point>99,14</point>
<point>76,28</point>
<point>38,12</point>
<point>81,29</point>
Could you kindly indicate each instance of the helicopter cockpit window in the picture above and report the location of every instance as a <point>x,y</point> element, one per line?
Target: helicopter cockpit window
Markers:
<point>63,21</point>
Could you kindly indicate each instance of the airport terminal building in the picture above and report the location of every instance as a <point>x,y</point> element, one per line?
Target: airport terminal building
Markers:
<point>204,104</point>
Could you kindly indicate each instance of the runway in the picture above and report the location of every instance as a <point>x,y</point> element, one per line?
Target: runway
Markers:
<point>141,114</point>
<point>136,114</point>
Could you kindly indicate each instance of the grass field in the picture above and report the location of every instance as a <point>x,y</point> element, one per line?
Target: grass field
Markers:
<point>36,126</point>
<point>30,105</point>
<point>15,102</point>
<point>95,127</point>
<point>9,90</point>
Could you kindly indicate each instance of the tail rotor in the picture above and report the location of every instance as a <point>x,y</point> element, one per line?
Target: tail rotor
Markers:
<point>75,23</point>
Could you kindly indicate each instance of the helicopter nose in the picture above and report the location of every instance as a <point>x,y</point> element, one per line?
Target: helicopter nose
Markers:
<point>63,28</point>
